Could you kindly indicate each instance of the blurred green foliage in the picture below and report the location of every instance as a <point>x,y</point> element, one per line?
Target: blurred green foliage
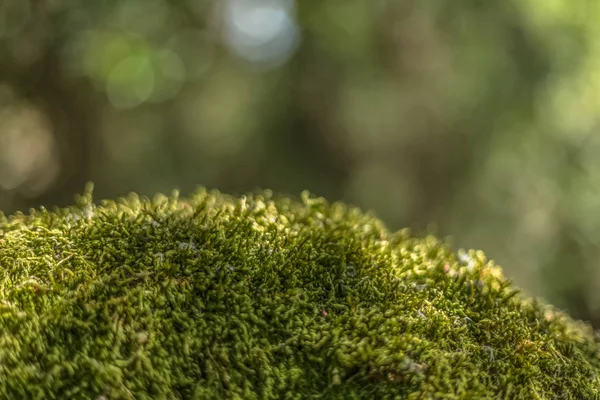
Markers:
<point>474,119</point>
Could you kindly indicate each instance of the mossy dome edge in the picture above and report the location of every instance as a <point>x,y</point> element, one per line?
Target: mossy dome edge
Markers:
<point>264,297</point>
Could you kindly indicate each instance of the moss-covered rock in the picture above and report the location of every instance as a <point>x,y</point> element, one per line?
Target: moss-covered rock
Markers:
<point>214,297</point>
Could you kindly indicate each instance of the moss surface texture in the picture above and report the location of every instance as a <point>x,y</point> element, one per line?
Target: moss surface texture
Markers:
<point>260,297</point>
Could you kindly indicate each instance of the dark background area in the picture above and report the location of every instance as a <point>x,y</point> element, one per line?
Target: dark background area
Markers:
<point>470,120</point>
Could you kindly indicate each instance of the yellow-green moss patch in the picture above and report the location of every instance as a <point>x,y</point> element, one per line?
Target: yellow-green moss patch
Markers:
<point>259,297</point>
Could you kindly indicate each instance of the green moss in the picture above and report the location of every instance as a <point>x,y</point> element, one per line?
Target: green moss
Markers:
<point>214,297</point>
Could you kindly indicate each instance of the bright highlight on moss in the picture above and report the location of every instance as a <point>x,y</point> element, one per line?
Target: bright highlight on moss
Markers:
<point>261,297</point>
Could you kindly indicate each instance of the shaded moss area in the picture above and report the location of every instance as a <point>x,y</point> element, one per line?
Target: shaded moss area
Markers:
<point>259,297</point>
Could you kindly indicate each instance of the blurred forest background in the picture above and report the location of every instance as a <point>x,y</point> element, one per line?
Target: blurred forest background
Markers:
<point>470,119</point>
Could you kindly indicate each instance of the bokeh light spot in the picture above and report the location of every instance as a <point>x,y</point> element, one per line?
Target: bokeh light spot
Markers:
<point>170,74</point>
<point>263,32</point>
<point>131,82</point>
<point>28,156</point>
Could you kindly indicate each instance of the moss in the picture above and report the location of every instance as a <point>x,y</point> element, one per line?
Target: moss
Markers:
<point>215,297</point>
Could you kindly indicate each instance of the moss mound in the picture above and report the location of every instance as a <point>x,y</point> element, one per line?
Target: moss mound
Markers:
<point>214,297</point>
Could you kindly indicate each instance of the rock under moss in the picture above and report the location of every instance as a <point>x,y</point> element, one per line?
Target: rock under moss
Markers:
<point>214,297</point>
